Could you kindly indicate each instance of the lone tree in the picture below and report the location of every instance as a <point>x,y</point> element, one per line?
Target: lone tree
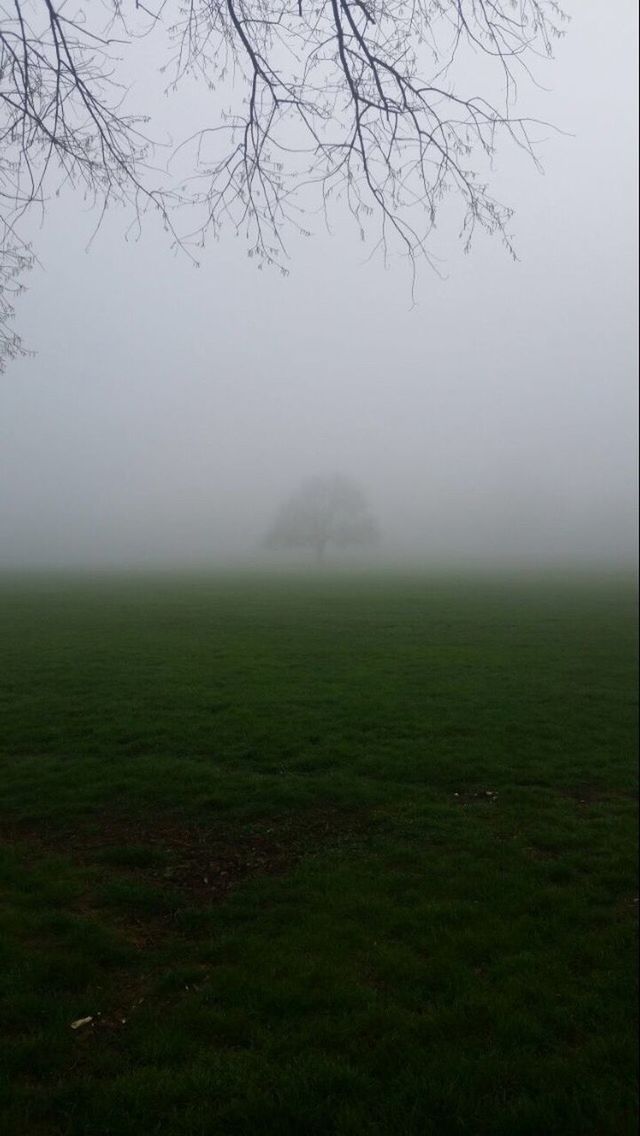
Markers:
<point>388,105</point>
<point>324,511</point>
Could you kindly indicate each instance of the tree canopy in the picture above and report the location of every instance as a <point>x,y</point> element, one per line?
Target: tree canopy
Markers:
<point>313,102</point>
<point>323,511</point>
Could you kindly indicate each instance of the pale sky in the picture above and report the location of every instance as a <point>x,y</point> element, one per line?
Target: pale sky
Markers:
<point>168,409</point>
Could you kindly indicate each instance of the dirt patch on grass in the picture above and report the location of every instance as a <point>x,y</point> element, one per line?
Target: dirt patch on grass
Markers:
<point>587,795</point>
<point>203,861</point>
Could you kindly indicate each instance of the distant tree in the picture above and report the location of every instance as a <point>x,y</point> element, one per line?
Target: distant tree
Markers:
<point>324,511</point>
<point>384,104</point>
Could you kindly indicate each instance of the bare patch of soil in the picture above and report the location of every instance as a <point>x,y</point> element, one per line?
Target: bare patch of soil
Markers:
<point>205,861</point>
<point>586,795</point>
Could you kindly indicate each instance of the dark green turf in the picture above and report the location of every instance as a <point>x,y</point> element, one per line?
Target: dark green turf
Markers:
<point>398,952</point>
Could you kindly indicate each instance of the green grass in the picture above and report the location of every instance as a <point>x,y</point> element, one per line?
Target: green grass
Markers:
<point>345,856</point>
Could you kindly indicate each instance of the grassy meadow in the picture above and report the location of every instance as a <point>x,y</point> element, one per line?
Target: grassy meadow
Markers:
<point>318,856</point>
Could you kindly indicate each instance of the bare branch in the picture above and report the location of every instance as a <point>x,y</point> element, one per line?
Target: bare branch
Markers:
<point>362,101</point>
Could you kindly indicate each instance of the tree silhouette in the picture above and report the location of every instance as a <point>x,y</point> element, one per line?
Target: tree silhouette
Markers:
<point>324,511</point>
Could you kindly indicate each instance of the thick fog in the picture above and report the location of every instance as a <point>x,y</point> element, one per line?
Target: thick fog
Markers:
<point>168,410</point>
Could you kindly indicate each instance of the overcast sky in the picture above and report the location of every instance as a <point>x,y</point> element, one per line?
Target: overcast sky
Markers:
<point>168,410</point>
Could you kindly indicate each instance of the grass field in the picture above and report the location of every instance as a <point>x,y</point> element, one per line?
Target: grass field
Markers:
<point>338,856</point>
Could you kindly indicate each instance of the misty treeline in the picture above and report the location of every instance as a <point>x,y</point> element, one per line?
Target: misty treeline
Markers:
<point>324,511</point>
<point>366,102</point>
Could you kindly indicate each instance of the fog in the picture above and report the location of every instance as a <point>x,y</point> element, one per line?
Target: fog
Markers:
<point>168,410</point>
